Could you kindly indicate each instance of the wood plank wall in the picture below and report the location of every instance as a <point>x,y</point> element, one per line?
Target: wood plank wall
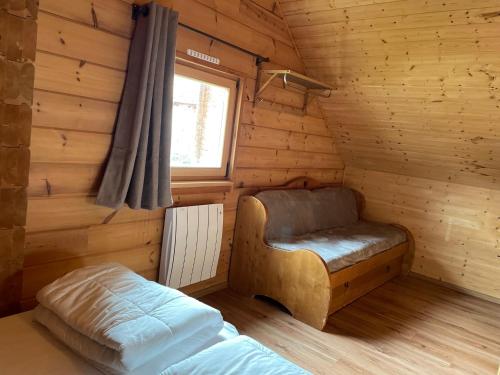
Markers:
<point>81,61</point>
<point>416,118</point>
<point>17,53</point>
<point>456,227</point>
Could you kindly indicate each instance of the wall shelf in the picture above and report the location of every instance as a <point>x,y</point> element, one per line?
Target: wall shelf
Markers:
<point>293,79</point>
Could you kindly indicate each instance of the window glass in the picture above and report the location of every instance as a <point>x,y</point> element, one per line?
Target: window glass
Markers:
<point>202,123</point>
<point>199,123</point>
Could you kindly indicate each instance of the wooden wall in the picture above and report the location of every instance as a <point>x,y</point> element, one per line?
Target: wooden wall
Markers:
<point>81,61</point>
<point>416,118</point>
<point>456,227</point>
<point>17,52</point>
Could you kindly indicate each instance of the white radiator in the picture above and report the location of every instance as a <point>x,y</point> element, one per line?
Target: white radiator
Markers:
<point>191,244</point>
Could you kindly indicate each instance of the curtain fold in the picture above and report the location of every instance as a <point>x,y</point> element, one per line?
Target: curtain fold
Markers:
<point>138,169</point>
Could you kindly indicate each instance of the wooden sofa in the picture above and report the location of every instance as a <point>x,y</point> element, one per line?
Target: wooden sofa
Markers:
<point>300,279</point>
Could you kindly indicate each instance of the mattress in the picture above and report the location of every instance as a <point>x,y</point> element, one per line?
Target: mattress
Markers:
<point>26,347</point>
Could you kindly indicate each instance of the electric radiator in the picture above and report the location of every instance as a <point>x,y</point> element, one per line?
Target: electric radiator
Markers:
<point>191,244</point>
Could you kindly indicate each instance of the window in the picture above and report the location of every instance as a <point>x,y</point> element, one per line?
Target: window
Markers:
<point>202,123</point>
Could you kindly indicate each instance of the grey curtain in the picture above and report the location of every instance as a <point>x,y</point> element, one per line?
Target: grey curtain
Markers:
<point>138,169</point>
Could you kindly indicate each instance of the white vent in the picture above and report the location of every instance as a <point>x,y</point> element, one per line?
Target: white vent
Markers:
<point>191,244</point>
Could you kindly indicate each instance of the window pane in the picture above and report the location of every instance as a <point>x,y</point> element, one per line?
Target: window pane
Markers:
<point>199,122</point>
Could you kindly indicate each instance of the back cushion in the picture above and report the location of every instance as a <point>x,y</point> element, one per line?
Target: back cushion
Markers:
<point>289,212</point>
<point>296,212</point>
<point>334,207</point>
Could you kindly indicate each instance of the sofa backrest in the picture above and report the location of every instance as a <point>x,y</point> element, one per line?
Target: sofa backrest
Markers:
<point>296,211</point>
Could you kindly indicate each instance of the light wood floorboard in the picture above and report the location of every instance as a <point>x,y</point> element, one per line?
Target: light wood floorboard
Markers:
<point>407,326</point>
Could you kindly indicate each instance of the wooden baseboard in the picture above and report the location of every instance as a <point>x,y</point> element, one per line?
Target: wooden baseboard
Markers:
<point>204,290</point>
<point>457,288</point>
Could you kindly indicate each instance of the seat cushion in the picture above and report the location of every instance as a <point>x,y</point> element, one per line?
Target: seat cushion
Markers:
<point>344,246</point>
<point>298,211</point>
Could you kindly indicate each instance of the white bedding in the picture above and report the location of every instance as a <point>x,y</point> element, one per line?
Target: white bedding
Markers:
<point>116,318</point>
<point>27,347</point>
<point>123,324</point>
<point>238,356</point>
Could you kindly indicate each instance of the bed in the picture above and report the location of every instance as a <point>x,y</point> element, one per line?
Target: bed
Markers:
<point>107,319</point>
<point>27,347</point>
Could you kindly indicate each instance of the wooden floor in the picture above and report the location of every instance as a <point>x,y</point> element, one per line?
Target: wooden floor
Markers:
<point>408,326</point>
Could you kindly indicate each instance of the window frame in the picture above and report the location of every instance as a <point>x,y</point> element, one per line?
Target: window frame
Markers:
<point>219,78</point>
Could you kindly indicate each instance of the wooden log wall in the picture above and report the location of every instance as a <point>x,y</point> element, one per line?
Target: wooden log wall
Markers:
<point>17,53</point>
<point>81,62</point>
<point>416,118</point>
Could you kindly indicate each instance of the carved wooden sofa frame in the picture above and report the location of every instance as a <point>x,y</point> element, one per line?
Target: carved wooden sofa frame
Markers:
<point>300,279</point>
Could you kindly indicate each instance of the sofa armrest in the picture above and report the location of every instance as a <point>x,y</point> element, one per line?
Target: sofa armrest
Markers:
<point>297,279</point>
<point>410,254</point>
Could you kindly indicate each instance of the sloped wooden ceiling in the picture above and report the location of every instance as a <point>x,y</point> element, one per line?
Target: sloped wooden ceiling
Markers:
<point>418,93</point>
<point>417,120</point>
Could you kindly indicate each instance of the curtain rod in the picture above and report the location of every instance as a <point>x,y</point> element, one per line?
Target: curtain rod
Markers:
<point>136,9</point>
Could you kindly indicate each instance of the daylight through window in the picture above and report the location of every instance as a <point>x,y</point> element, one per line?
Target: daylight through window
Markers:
<point>203,115</point>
